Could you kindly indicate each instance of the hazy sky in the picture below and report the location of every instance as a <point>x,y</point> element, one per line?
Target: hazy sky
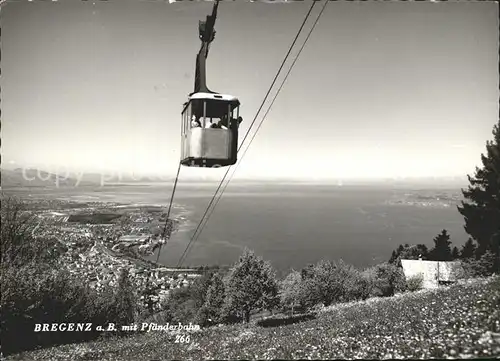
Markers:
<point>382,89</point>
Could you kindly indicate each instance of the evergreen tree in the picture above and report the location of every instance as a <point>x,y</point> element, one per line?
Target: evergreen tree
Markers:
<point>441,250</point>
<point>397,252</point>
<point>487,264</point>
<point>307,272</point>
<point>482,266</point>
<point>482,210</point>
<point>212,309</point>
<point>199,288</point>
<point>251,285</point>
<point>468,249</point>
<point>495,245</point>
<point>455,254</point>
<point>125,300</point>
<point>408,252</point>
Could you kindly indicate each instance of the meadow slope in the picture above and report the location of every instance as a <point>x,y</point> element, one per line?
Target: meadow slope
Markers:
<point>461,321</point>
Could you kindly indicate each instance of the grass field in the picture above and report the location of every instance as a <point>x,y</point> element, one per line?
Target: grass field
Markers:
<point>461,321</point>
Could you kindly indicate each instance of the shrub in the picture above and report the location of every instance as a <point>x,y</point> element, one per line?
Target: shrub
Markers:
<point>481,267</point>
<point>364,286</point>
<point>415,283</point>
<point>386,279</point>
<point>331,282</point>
<point>356,285</point>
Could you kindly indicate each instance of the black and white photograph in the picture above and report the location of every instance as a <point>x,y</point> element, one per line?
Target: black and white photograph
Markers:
<point>249,180</point>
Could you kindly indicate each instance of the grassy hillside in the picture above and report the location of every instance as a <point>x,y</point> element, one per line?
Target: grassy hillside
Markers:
<point>451,322</point>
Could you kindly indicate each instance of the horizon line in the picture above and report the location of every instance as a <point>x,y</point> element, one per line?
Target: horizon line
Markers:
<point>205,178</point>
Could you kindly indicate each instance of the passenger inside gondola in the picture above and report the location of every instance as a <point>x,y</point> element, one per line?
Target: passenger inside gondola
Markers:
<point>215,125</point>
<point>234,122</point>
<point>195,123</point>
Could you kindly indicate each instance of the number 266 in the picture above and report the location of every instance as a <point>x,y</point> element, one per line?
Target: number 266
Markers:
<point>182,339</point>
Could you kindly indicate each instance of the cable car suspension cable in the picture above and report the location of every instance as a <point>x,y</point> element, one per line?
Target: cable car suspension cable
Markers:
<point>165,227</point>
<point>269,108</point>
<point>207,36</point>
<point>196,235</point>
<point>164,233</point>
<point>261,122</point>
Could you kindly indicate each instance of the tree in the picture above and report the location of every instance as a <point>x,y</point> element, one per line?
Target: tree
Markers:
<point>148,294</point>
<point>330,282</point>
<point>441,250</point>
<point>408,252</point>
<point>307,271</point>
<point>387,279</point>
<point>455,254</point>
<point>251,286</point>
<point>486,264</point>
<point>125,300</point>
<point>290,290</point>
<point>468,249</point>
<point>30,297</point>
<point>18,246</point>
<point>180,307</point>
<point>495,245</point>
<point>397,252</point>
<point>33,289</point>
<point>332,278</point>
<point>198,289</point>
<point>186,304</point>
<point>482,210</point>
<point>325,286</point>
<point>214,302</point>
<point>482,266</point>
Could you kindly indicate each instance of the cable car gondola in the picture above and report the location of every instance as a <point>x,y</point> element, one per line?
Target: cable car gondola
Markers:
<point>210,121</point>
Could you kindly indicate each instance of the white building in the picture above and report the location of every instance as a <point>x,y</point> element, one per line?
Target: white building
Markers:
<point>433,272</point>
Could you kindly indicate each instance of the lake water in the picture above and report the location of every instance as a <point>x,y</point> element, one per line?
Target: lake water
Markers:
<point>290,225</point>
